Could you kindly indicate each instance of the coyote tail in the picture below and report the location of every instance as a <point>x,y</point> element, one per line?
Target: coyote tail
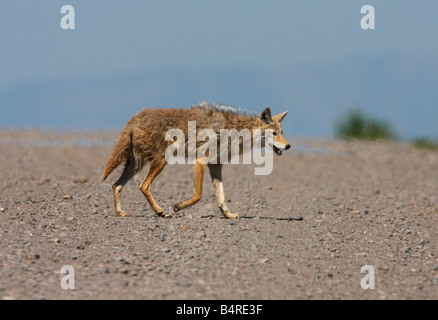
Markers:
<point>120,151</point>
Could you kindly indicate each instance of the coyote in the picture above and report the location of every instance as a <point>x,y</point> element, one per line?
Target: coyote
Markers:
<point>142,141</point>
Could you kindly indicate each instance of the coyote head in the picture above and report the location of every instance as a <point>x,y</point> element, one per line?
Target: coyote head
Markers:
<point>267,121</point>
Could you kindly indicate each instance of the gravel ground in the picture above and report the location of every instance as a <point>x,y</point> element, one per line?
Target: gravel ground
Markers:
<point>327,209</point>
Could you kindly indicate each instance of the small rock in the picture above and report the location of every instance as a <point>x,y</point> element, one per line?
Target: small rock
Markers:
<point>383,268</point>
<point>265,260</point>
<point>291,271</point>
<point>67,197</point>
<point>80,180</point>
<point>2,209</point>
<point>405,249</point>
<point>268,188</point>
<point>166,250</point>
<point>200,234</point>
<point>43,181</point>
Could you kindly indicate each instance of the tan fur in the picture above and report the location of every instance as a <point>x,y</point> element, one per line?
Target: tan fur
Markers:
<point>142,141</point>
<point>120,152</point>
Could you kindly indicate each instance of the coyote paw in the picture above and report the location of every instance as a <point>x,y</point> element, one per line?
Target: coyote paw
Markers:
<point>160,213</point>
<point>120,213</point>
<point>232,215</point>
<point>176,208</point>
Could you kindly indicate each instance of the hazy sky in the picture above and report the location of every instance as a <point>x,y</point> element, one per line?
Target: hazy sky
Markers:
<point>293,45</point>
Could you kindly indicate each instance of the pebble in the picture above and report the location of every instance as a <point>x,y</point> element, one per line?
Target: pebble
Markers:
<point>80,180</point>
<point>200,234</point>
<point>292,271</point>
<point>405,249</point>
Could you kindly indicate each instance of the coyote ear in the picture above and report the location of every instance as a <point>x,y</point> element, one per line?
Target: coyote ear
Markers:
<point>280,117</point>
<point>265,116</point>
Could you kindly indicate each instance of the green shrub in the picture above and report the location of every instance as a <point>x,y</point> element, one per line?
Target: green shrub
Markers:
<point>355,125</point>
<point>425,143</point>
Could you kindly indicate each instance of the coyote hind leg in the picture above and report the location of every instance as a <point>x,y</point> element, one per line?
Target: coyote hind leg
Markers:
<point>154,170</point>
<point>127,174</point>
<point>198,176</point>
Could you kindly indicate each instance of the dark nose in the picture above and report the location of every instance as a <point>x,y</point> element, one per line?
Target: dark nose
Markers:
<point>287,146</point>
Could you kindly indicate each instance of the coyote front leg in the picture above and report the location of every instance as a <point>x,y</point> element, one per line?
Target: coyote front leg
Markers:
<point>216,177</point>
<point>198,176</point>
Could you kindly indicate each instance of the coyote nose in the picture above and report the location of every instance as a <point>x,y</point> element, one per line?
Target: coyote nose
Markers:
<point>287,146</point>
